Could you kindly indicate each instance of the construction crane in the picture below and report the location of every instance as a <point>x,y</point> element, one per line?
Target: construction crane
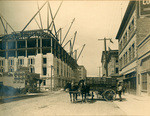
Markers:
<point>33,17</point>
<point>71,50</point>
<point>5,28</point>
<point>68,42</point>
<point>79,53</point>
<point>55,15</point>
<point>68,31</point>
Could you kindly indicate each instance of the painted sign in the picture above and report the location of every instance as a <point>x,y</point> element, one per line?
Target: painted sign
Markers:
<point>144,6</point>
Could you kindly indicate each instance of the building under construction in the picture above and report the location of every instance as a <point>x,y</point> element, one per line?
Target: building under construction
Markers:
<point>42,52</point>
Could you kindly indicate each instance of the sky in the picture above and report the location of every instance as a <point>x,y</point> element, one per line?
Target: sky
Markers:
<point>93,20</point>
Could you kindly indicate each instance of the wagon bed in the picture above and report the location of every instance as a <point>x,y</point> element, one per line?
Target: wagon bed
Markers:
<point>106,87</point>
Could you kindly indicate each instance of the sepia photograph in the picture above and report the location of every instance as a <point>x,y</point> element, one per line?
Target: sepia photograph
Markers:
<point>79,57</point>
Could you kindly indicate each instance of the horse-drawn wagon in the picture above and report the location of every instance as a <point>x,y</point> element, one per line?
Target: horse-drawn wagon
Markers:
<point>104,86</point>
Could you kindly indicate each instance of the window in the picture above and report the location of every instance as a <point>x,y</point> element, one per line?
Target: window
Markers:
<point>121,45</point>
<point>44,82</point>
<point>11,62</point>
<point>21,61</point>
<point>116,70</point>
<point>31,61</point>
<point>117,61</point>
<point>32,70</point>
<point>129,54</point>
<point>144,81</point>
<point>1,62</point>
<point>126,57</point>
<point>11,69</point>
<point>1,70</point>
<point>44,60</point>
<point>133,22</point>
<point>44,70</point>
<point>57,68</point>
<point>133,51</point>
<point>130,28</point>
<point>125,38</point>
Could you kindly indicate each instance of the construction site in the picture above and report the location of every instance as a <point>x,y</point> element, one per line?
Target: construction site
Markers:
<point>41,50</point>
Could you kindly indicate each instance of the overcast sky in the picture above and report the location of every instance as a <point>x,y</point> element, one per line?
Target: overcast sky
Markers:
<point>93,20</point>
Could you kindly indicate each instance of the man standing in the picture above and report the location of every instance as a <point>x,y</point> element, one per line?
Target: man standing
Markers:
<point>119,89</point>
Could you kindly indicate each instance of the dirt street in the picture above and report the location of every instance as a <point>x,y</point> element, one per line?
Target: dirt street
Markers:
<point>58,103</point>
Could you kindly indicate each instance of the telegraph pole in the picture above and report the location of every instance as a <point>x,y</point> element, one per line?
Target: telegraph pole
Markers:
<point>99,71</point>
<point>106,53</point>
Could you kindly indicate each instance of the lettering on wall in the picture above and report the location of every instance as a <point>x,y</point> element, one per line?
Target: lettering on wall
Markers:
<point>144,7</point>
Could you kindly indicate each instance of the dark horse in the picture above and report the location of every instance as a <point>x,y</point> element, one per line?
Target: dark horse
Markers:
<point>84,89</point>
<point>73,90</point>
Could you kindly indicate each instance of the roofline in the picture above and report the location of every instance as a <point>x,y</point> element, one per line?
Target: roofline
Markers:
<point>127,15</point>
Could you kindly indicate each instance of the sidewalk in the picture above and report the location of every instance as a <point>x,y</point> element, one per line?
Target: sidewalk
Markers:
<point>134,105</point>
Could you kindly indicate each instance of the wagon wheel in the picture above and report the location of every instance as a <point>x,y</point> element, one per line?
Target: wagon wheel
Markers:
<point>109,95</point>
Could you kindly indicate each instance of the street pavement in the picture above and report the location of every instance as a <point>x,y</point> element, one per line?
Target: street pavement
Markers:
<point>134,105</point>
<point>57,103</point>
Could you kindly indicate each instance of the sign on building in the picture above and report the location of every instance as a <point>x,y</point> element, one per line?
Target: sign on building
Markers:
<point>144,7</point>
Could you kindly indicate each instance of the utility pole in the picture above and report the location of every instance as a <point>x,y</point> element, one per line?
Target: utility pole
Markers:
<point>106,64</point>
<point>99,71</point>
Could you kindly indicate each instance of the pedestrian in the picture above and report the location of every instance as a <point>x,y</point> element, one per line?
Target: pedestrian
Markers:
<point>119,89</point>
<point>124,88</point>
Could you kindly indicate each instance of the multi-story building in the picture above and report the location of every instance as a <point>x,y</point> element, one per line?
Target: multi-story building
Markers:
<point>143,84</point>
<point>112,62</point>
<point>42,53</point>
<point>82,72</point>
<point>134,26</point>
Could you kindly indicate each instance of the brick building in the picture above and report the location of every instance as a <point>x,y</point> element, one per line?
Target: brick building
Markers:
<point>82,72</point>
<point>133,29</point>
<point>112,62</point>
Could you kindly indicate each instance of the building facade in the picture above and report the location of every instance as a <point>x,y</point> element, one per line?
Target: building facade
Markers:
<point>131,30</point>
<point>42,53</point>
<point>82,72</point>
<point>143,84</point>
<point>112,63</point>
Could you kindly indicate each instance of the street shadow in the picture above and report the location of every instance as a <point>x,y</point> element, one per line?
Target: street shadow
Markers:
<point>94,100</point>
<point>123,99</point>
<point>88,100</point>
<point>17,98</point>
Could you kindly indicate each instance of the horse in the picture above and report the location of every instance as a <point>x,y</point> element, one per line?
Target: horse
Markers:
<point>73,89</point>
<point>84,89</point>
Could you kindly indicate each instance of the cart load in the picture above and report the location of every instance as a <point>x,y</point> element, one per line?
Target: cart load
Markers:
<point>104,86</point>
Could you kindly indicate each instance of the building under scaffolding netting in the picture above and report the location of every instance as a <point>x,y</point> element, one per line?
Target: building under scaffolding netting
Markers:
<point>42,51</point>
